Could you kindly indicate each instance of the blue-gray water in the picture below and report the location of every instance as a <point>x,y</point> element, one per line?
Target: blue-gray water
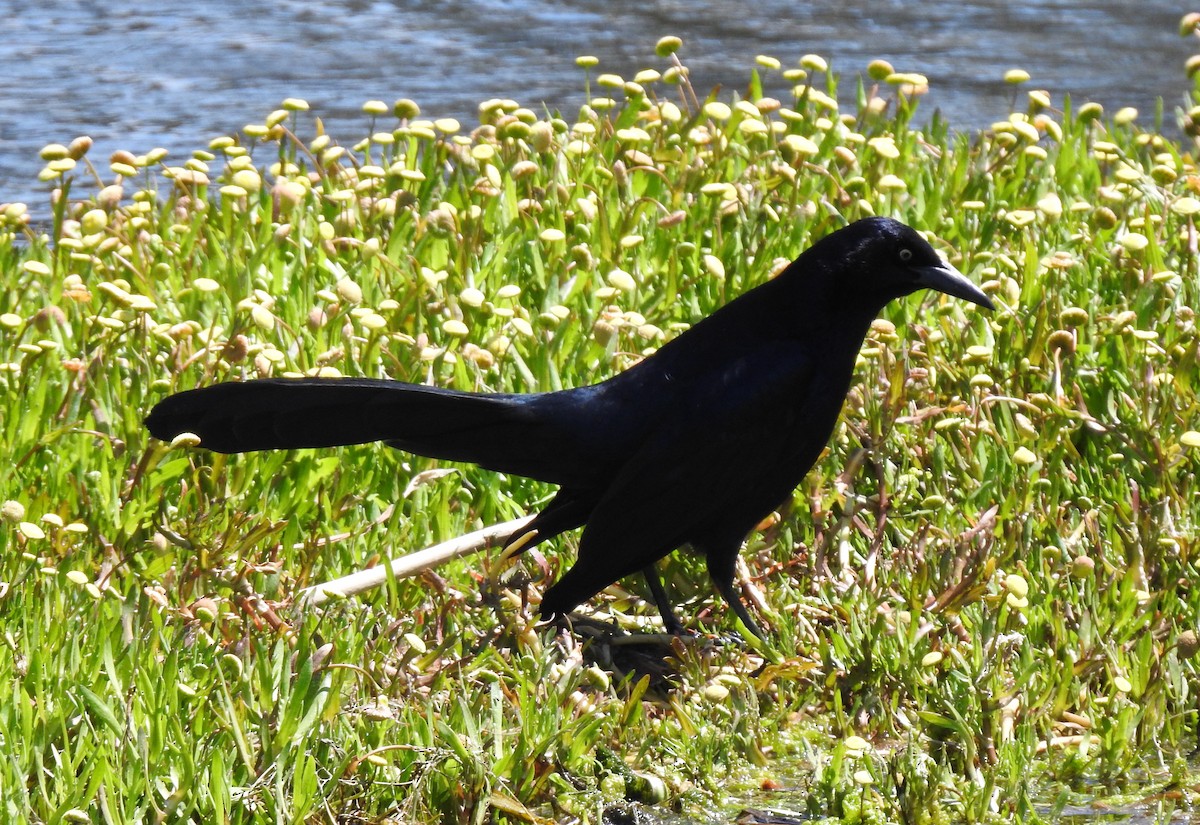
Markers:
<point>176,74</point>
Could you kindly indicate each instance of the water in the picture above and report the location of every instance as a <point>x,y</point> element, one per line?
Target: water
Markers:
<point>176,73</point>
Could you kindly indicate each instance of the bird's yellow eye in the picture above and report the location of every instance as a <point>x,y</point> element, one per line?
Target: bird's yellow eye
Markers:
<point>905,254</point>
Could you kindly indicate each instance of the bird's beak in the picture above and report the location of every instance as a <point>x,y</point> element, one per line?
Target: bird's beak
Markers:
<point>947,279</point>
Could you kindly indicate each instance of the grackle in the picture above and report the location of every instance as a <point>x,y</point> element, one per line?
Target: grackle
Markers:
<point>694,445</point>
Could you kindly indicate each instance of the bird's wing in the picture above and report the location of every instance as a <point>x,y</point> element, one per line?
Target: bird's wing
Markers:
<point>747,437</point>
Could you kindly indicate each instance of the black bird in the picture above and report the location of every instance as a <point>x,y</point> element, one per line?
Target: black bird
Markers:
<point>694,445</point>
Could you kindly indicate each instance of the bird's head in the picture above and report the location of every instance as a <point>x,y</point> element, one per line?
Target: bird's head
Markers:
<point>883,259</point>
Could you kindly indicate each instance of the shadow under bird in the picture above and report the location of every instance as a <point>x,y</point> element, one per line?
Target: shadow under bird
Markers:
<point>694,445</point>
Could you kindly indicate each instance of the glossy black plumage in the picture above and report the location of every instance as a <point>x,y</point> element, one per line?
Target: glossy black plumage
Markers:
<point>694,445</point>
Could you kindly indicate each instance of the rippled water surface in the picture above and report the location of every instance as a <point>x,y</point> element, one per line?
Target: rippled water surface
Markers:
<point>176,74</point>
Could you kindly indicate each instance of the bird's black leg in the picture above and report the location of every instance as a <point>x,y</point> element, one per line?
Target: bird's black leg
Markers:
<point>671,622</point>
<point>722,562</point>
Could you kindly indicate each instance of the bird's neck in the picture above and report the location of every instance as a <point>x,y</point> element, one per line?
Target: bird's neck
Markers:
<point>828,312</point>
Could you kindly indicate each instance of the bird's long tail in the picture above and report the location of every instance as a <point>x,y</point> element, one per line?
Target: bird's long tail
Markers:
<point>498,431</point>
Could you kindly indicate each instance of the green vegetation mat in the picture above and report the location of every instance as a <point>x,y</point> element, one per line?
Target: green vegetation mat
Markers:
<point>980,603</point>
